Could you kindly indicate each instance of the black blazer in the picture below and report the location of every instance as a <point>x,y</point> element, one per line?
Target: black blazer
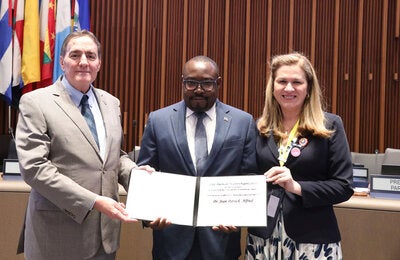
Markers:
<point>324,171</point>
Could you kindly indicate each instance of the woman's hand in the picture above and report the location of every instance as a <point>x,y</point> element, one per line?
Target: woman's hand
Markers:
<point>283,177</point>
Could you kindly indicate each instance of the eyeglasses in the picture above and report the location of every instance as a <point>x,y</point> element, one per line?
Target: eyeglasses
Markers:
<point>206,85</point>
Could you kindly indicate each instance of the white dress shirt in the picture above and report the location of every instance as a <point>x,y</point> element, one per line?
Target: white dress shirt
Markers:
<point>209,123</point>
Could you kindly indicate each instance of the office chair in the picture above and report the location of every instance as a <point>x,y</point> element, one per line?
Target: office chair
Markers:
<point>392,156</point>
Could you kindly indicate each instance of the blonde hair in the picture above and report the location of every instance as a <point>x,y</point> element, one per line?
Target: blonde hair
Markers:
<point>312,118</point>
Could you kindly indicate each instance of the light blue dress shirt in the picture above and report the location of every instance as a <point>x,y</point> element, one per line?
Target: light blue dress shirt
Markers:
<point>76,97</point>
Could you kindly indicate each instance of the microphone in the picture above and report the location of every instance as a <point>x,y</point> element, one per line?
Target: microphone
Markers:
<point>11,132</point>
<point>12,149</point>
<point>134,139</point>
<point>376,161</point>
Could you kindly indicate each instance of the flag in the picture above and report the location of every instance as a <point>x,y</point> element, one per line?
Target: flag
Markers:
<point>18,7</point>
<point>31,50</point>
<point>6,50</point>
<point>47,38</point>
<point>81,15</point>
<point>63,28</point>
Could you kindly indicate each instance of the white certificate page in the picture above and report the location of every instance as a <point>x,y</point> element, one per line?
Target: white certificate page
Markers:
<point>233,201</point>
<point>160,194</point>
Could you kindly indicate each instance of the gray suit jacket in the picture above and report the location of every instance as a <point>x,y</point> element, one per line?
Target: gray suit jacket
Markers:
<point>164,146</point>
<point>60,160</point>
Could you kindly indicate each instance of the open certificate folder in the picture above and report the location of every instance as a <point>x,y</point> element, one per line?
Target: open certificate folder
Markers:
<point>198,201</point>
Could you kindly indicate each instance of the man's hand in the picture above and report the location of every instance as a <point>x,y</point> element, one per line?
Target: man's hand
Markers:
<point>225,229</point>
<point>158,223</point>
<point>112,209</point>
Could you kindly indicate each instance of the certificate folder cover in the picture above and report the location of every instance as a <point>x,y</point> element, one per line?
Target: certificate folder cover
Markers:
<point>198,201</point>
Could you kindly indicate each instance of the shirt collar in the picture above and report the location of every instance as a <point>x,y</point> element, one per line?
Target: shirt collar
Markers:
<point>75,94</point>
<point>210,113</point>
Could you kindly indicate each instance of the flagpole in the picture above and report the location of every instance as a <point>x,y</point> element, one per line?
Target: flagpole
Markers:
<point>9,117</point>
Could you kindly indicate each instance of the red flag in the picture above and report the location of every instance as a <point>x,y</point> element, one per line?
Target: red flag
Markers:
<point>47,37</point>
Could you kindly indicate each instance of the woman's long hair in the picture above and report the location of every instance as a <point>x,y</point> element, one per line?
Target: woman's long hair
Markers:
<point>312,118</point>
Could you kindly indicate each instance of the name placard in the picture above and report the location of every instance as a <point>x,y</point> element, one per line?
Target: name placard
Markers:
<point>385,186</point>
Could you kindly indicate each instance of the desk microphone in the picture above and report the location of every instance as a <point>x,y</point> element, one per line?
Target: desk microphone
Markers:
<point>11,132</point>
<point>12,149</point>
<point>376,161</point>
<point>134,139</point>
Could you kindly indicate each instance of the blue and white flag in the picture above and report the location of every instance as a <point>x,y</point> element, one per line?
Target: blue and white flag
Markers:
<point>63,28</point>
<point>82,15</point>
<point>6,50</point>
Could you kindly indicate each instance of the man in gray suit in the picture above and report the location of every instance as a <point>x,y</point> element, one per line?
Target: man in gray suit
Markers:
<point>169,144</point>
<point>73,210</point>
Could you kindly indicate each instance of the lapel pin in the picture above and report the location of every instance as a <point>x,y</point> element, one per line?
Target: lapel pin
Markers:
<point>295,152</point>
<point>303,141</point>
<point>226,119</point>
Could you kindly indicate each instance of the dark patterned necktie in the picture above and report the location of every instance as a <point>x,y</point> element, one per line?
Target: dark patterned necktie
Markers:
<point>200,143</point>
<point>87,114</point>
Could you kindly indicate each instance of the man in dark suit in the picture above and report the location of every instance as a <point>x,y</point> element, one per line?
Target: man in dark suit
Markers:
<point>169,145</point>
<point>73,210</point>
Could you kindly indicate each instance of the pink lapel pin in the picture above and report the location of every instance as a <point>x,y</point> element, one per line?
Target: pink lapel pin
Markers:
<point>295,152</point>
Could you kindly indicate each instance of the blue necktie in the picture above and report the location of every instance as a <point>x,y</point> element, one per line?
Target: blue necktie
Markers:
<point>87,114</point>
<point>200,143</point>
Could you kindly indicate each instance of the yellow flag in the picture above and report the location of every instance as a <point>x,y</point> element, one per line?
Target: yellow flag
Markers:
<point>31,45</point>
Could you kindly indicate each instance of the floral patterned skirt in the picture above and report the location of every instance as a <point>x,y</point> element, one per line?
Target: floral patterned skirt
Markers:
<point>281,246</point>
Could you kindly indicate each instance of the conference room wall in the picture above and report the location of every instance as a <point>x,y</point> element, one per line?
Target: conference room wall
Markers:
<point>354,46</point>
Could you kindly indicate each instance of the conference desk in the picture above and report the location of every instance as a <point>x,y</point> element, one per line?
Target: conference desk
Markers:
<point>370,227</point>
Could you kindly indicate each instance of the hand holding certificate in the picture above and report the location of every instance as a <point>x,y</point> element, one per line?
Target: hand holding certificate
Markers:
<point>198,201</point>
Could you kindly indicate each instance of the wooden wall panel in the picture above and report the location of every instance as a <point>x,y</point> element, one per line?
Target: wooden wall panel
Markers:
<point>347,67</point>
<point>392,80</point>
<point>301,40</point>
<point>234,85</point>
<point>173,62</point>
<point>280,26</point>
<point>257,56</point>
<point>370,75</point>
<point>196,38</point>
<point>354,46</point>
<point>215,32</point>
<point>324,48</point>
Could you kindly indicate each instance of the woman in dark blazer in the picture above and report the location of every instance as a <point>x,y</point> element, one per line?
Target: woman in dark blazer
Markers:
<point>305,156</point>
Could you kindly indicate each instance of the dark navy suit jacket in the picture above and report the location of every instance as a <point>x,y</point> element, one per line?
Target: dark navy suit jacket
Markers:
<point>164,146</point>
<point>324,171</point>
